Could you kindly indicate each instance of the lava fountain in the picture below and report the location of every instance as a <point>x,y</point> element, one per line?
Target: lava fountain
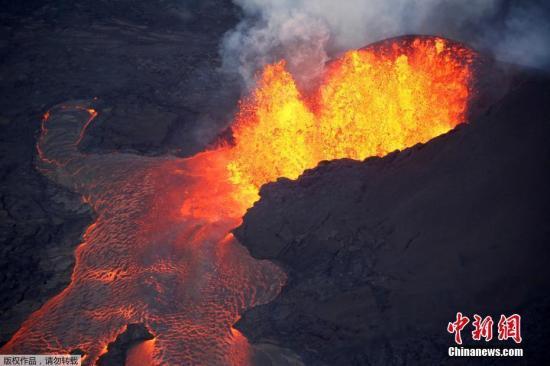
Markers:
<point>388,96</point>
<point>160,251</point>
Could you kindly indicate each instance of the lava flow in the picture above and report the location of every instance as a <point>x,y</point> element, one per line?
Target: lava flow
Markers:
<point>160,251</point>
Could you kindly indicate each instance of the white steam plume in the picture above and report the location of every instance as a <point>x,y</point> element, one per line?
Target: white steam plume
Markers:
<point>308,32</point>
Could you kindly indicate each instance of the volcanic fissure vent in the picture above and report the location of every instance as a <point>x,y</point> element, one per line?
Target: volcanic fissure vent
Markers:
<point>160,252</point>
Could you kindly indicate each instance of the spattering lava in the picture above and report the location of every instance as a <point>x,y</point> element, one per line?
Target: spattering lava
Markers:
<point>160,251</point>
<point>372,101</point>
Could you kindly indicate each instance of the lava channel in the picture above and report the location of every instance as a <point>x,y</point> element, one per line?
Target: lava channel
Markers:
<point>161,252</point>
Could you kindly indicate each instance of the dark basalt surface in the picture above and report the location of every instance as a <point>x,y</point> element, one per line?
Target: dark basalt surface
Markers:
<point>381,254</point>
<point>154,63</point>
<point>40,225</point>
<point>153,66</point>
<point>118,350</point>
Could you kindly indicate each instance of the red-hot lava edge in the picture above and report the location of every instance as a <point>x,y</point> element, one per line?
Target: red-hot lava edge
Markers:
<point>160,251</point>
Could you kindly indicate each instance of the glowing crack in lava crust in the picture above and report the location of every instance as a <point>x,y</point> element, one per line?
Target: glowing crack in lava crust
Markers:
<point>160,251</point>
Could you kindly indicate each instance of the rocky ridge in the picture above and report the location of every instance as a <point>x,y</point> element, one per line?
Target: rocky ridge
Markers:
<point>381,254</point>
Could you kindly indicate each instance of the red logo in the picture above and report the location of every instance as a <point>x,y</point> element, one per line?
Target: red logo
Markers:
<point>482,328</point>
<point>508,327</point>
<point>457,326</point>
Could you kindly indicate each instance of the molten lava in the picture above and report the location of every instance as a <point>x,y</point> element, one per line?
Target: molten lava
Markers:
<point>159,252</point>
<point>372,101</point>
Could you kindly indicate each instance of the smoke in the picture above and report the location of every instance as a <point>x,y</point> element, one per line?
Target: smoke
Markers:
<point>526,36</point>
<point>308,32</point>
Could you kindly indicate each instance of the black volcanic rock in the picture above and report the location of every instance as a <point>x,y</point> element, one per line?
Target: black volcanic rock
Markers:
<point>40,226</point>
<point>118,349</point>
<point>381,254</point>
<point>155,64</point>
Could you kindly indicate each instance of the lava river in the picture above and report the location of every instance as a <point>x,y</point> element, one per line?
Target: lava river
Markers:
<point>160,251</point>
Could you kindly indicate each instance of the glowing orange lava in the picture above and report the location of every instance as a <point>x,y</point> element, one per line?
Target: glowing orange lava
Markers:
<point>160,251</point>
<point>371,101</point>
